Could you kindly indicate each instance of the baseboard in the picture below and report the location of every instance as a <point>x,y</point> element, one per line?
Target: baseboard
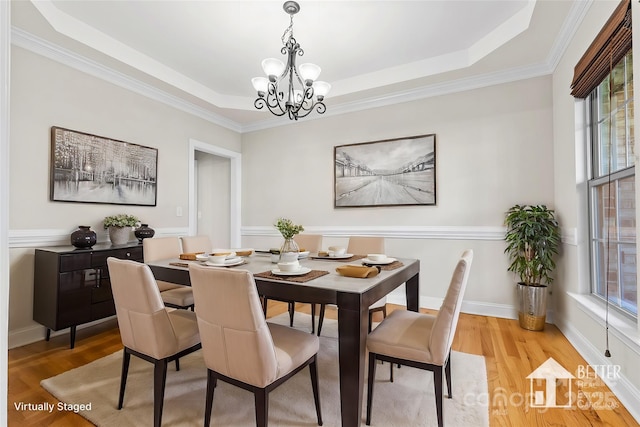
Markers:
<point>625,390</point>
<point>471,307</point>
<point>36,333</point>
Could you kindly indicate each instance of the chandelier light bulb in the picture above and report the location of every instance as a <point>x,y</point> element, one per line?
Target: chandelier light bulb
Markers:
<point>321,89</point>
<point>273,68</point>
<point>260,84</point>
<point>309,72</point>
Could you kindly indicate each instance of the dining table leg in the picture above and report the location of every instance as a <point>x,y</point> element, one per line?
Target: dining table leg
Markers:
<point>412,292</point>
<point>353,320</point>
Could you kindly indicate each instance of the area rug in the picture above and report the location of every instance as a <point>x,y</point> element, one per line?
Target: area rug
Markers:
<point>408,401</point>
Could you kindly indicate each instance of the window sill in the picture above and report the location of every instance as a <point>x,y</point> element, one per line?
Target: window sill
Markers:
<point>620,325</point>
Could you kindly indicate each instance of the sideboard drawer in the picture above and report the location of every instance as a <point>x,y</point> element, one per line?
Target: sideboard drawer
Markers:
<point>73,262</point>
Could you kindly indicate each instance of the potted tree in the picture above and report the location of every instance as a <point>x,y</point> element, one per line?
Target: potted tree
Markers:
<point>533,239</point>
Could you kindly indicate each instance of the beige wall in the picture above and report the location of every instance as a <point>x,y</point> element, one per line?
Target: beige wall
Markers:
<point>493,149</point>
<point>45,93</point>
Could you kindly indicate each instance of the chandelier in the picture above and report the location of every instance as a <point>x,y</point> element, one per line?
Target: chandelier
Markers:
<point>288,89</point>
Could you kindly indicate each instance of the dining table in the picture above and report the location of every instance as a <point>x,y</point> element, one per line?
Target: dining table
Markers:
<point>351,295</point>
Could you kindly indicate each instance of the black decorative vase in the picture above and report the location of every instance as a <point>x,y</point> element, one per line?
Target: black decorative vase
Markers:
<point>143,232</point>
<point>83,237</point>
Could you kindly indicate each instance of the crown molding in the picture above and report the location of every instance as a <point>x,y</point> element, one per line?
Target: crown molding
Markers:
<point>47,49</point>
<point>64,56</point>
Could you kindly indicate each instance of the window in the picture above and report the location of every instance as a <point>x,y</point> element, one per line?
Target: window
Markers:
<point>611,186</point>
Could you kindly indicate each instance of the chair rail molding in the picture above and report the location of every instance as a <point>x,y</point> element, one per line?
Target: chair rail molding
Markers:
<point>33,238</point>
<point>393,231</point>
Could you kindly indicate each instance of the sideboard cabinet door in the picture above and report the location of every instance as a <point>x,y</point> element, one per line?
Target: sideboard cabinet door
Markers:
<point>72,286</point>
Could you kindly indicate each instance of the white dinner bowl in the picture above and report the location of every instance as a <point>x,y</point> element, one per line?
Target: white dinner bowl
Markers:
<point>289,266</point>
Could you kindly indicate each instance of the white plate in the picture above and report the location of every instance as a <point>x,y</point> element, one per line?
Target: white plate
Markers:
<point>372,262</point>
<point>228,262</point>
<point>303,270</point>
<point>303,254</point>
<point>202,257</point>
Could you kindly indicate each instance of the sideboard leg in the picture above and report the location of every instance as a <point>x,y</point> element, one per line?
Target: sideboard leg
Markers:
<point>72,337</point>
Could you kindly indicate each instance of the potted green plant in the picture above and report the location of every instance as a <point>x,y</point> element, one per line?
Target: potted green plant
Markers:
<point>120,227</point>
<point>288,229</point>
<point>533,239</point>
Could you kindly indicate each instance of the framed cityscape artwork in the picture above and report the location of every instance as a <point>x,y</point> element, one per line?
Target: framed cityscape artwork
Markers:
<point>392,172</point>
<point>88,168</point>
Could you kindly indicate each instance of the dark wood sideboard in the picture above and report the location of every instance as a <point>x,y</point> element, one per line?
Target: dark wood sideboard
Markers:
<point>71,286</point>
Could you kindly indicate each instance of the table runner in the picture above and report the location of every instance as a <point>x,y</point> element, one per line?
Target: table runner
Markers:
<point>313,274</point>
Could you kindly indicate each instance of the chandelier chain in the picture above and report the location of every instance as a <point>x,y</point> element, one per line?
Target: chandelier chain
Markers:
<point>289,31</point>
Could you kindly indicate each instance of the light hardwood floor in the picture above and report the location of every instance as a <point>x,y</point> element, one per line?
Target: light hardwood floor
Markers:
<point>511,354</point>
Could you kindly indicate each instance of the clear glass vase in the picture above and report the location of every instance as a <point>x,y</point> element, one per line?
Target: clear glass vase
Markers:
<point>289,250</point>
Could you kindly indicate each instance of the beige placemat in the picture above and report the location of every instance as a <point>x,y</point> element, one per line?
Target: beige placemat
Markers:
<point>180,264</point>
<point>313,274</point>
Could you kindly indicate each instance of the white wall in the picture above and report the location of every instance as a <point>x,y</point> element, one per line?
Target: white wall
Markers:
<point>493,149</point>
<point>46,93</point>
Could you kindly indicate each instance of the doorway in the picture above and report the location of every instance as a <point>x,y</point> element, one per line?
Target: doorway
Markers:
<point>215,193</point>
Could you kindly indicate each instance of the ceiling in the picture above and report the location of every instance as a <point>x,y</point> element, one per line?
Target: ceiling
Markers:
<point>201,55</point>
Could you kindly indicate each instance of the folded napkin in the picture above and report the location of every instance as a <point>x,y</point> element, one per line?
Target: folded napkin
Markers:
<point>357,271</point>
<point>190,256</point>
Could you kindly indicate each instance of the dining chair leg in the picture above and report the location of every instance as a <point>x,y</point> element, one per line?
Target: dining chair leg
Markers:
<point>211,386</point>
<point>292,310</point>
<point>447,373</point>
<point>313,318</point>
<point>313,370</point>
<point>370,380</point>
<point>126,358</point>
<point>265,302</point>
<point>437,385</point>
<point>321,318</point>
<point>177,364</point>
<point>370,320</point>
<point>159,379</point>
<point>262,407</point>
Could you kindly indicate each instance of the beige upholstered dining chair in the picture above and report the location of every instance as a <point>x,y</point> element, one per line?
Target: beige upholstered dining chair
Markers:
<point>363,245</point>
<point>194,244</point>
<point>240,347</point>
<point>311,243</point>
<point>158,248</point>
<point>421,340</point>
<point>149,330</point>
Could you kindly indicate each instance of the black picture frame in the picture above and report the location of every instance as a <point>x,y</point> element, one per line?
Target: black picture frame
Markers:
<point>88,168</point>
<point>390,172</point>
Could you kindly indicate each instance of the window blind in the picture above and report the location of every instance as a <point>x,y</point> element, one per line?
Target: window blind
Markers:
<point>609,46</point>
